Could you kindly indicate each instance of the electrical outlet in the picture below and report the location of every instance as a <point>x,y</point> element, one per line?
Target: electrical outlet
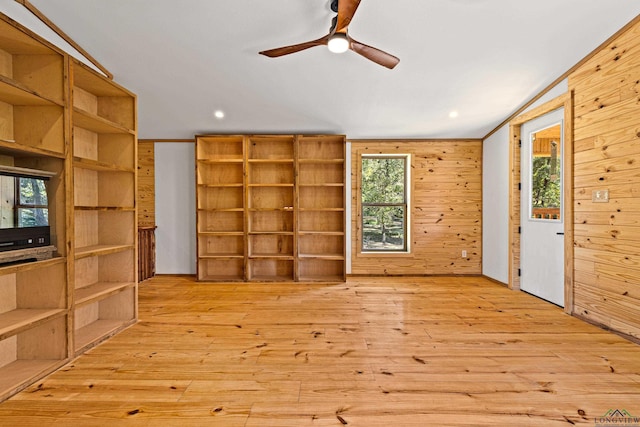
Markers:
<point>464,254</point>
<point>600,196</point>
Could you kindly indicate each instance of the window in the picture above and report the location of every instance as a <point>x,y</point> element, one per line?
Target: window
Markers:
<point>546,173</point>
<point>384,183</point>
<point>32,209</point>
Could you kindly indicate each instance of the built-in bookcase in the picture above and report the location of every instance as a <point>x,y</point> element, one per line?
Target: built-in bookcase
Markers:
<point>220,199</point>
<point>58,116</point>
<point>104,193</point>
<point>34,310</point>
<point>321,208</point>
<point>270,207</point>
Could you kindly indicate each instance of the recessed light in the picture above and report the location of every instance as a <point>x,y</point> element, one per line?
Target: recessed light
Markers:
<point>218,114</point>
<point>453,114</point>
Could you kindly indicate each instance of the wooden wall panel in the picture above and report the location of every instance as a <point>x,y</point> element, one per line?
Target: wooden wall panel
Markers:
<point>606,92</point>
<point>146,184</point>
<point>446,208</point>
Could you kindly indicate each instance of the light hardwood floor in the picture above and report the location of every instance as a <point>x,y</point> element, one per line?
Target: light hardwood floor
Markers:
<point>437,351</point>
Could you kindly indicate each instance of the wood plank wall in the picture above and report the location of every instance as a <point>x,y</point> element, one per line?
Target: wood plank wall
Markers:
<point>446,211</point>
<point>607,156</point>
<point>146,184</point>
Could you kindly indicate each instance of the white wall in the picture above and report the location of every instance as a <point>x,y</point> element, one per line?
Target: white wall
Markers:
<point>175,208</point>
<point>495,205</point>
<point>495,196</point>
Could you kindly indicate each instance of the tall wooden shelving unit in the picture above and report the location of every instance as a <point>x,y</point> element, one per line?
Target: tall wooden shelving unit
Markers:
<point>52,310</point>
<point>34,310</point>
<point>220,207</point>
<point>270,207</point>
<point>321,208</point>
<point>104,193</point>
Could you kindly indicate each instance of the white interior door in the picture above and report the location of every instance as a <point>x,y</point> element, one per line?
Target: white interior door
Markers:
<point>542,214</point>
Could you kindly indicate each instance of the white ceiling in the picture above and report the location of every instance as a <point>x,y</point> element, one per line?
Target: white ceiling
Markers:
<point>483,58</point>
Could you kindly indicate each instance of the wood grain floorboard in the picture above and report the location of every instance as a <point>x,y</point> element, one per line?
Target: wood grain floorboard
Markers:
<point>433,351</point>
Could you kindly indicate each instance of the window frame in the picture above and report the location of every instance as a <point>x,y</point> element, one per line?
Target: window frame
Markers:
<point>406,204</point>
<point>560,158</point>
<point>19,206</point>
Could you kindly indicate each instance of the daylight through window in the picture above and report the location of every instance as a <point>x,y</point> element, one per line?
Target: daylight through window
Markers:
<point>384,203</point>
<point>32,207</point>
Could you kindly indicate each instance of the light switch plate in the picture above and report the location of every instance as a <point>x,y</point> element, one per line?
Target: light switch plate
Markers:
<point>600,196</point>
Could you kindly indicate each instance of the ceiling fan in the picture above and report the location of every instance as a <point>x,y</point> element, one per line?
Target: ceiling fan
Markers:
<point>338,39</point>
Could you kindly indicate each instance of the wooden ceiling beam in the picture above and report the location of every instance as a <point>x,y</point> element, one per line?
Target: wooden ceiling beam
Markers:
<point>35,11</point>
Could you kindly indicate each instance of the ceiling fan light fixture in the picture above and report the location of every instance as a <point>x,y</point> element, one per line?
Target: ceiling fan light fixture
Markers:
<point>338,43</point>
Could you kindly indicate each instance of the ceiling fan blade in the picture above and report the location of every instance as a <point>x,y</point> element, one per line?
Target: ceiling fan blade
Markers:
<point>371,53</point>
<point>346,10</point>
<point>286,50</point>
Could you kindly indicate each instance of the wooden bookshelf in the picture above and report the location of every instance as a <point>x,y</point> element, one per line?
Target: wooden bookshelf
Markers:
<point>104,159</point>
<point>34,309</point>
<point>321,205</point>
<point>220,182</point>
<point>264,202</point>
<point>59,116</point>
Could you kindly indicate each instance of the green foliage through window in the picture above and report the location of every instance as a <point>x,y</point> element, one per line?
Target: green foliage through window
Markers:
<point>32,207</point>
<point>546,175</point>
<point>384,203</point>
<point>546,184</point>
